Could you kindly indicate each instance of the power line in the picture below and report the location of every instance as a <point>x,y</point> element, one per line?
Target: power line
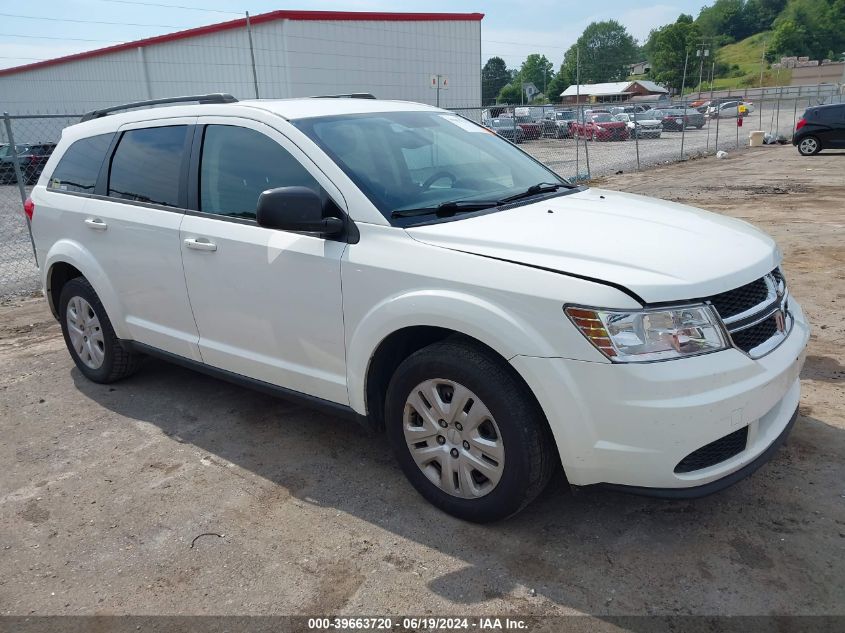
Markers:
<point>38,17</point>
<point>170,6</point>
<point>47,37</point>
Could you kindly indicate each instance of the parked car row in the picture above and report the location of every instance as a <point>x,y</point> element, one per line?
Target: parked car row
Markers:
<point>31,158</point>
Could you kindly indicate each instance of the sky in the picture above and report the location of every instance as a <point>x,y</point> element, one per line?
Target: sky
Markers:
<point>511,29</point>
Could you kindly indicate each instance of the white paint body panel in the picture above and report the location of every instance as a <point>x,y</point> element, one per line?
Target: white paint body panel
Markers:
<point>661,250</point>
<point>308,314</point>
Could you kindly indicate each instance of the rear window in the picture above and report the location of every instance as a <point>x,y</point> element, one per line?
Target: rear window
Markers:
<point>78,169</point>
<point>147,165</point>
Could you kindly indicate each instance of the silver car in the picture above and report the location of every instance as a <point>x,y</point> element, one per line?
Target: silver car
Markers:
<point>641,124</point>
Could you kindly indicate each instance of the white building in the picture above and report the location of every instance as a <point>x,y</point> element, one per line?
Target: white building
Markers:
<point>297,53</point>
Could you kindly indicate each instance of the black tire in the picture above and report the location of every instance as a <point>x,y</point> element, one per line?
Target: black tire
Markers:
<point>117,362</point>
<point>806,146</point>
<point>531,457</point>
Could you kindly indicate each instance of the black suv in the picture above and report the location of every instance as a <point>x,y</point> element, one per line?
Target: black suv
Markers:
<point>820,127</point>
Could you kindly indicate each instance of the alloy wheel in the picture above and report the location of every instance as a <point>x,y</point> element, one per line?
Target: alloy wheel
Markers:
<point>809,145</point>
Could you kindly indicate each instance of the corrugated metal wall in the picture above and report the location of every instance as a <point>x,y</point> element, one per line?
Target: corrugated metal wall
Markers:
<point>391,59</point>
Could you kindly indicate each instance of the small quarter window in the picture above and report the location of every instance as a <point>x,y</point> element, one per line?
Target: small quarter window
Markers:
<point>79,167</point>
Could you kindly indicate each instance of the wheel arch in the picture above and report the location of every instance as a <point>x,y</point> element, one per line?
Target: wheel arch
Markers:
<point>400,344</point>
<point>67,259</point>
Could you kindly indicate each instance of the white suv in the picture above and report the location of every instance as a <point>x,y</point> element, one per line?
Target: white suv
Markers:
<point>400,264</point>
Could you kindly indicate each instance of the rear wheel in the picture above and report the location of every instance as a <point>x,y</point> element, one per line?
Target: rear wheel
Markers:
<point>809,145</point>
<point>89,335</point>
<point>466,433</point>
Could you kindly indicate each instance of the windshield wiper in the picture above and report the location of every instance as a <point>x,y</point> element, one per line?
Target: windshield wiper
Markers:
<point>447,208</point>
<point>467,206</point>
<point>533,190</point>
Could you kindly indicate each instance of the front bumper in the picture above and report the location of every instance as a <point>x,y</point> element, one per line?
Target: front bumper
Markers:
<point>631,424</point>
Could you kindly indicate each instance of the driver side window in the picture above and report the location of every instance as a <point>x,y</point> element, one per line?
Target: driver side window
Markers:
<point>237,164</point>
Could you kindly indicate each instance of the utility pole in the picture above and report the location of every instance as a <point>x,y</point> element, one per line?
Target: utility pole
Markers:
<point>701,52</point>
<point>252,55</point>
<point>684,80</point>
<point>762,66</point>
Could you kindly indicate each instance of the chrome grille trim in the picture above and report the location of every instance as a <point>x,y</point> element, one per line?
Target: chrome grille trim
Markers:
<point>775,307</point>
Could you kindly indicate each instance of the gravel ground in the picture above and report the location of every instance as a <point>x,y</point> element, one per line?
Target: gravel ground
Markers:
<point>174,493</point>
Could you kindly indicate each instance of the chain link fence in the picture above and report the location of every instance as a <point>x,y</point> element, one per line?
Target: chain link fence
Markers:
<point>25,146</point>
<point>590,140</point>
<point>564,137</point>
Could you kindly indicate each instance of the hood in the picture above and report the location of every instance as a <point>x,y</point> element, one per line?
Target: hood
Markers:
<point>661,251</point>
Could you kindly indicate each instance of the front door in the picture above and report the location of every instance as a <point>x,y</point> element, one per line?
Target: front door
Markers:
<point>267,303</point>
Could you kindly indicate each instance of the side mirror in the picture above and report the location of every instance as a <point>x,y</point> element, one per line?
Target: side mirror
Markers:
<point>295,209</point>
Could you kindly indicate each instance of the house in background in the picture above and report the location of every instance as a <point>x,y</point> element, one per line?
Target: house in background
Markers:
<point>640,68</point>
<point>613,91</point>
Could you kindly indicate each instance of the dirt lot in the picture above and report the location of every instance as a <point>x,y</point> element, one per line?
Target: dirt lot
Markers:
<point>105,490</point>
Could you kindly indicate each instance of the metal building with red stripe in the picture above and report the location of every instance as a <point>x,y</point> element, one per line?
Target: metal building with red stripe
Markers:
<point>297,53</point>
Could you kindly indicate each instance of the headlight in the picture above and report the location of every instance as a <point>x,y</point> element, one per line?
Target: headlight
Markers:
<point>649,335</point>
<point>600,128</point>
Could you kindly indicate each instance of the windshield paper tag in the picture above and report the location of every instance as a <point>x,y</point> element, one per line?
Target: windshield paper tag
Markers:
<point>463,123</point>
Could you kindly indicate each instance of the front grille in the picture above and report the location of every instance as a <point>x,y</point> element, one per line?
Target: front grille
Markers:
<point>751,337</point>
<point>764,298</point>
<point>715,452</point>
<point>744,298</point>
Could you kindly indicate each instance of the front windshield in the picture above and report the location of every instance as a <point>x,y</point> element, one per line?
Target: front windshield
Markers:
<point>412,160</point>
<point>602,118</point>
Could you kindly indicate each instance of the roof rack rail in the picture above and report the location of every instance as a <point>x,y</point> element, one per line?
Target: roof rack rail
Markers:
<point>351,95</point>
<point>217,97</point>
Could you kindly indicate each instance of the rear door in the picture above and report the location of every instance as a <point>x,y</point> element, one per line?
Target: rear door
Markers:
<point>834,120</point>
<point>131,226</point>
<point>267,302</point>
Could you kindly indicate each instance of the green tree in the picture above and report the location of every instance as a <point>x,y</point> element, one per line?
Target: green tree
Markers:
<point>494,76</point>
<point>725,17</point>
<point>789,38</point>
<point>605,50</point>
<point>760,14</point>
<point>822,23</point>
<point>667,48</point>
<point>536,69</point>
<point>511,93</point>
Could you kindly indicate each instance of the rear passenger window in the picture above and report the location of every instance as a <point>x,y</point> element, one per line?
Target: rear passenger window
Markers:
<point>238,164</point>
<point>147,165</point>
<point>78,169</point>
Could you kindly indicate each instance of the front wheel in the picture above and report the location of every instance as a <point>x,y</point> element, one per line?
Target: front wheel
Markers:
<point>809,145</point>
<point>466,432</point>
<point>89,334</point>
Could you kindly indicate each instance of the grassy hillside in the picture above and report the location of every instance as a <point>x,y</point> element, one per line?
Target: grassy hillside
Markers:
<point>746,55</point>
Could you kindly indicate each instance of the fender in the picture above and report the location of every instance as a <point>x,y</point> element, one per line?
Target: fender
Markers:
<point>73,253</point>
<point>491,324</point>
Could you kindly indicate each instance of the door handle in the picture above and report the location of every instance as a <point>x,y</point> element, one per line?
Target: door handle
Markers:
<point>200,244</point>
<point>96,223</point>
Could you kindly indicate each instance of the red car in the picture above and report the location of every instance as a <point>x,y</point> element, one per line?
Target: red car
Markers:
<point>530,128</point>
<point>601,127</point>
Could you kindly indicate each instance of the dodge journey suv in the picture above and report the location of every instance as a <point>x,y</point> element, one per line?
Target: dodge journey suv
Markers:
<point>416,272</point>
